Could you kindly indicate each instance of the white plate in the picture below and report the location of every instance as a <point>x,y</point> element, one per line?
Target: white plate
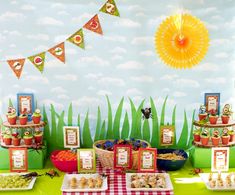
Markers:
<point>166,175</point>
<point>66,188</point>
<point>205,176</point>
<point>30,186</point>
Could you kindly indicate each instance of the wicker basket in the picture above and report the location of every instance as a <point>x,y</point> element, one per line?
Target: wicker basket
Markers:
<point>106,157</point>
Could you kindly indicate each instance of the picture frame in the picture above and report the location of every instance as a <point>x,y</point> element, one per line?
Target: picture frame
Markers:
<point>18,159</point>
<point>219,159</point>
<point>86,160</point>
<point>25,101</point>
<point>122,156</point>
<point>147,160</point>
<point>71,137</point>
<point>212,101</point>
<point>167,135</point>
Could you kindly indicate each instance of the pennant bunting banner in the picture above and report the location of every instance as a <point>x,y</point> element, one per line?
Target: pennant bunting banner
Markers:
<point>17,66</point>
<point>110,8</point>
<point>94,25</point>
<point>77,38</point>
<point>58,51</point>
<point>38,61</point>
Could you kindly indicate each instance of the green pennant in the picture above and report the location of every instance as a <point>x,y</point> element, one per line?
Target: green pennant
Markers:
<point>110,8</point>
<point>77,38</point>
<point>38,61</point>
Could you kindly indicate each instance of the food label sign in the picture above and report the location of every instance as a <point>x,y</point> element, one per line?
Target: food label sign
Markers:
<point>122,156</point>
<point>220,159</point>
<point>86,160</point>
<point>18,159</point>
<point>147,160</point>
<point>167,135</point>
<point>71,137</point>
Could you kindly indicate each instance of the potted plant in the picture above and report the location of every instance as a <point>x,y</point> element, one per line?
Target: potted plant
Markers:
<point>16,139</point>
<point>232,135</point>
<point>196,135</point>
<point>202,113</point>
<point>7,137</point>
<point>38,135</point>
<point>28,138</point>
<point>11,115</point>
<point>225,136</point>
<point>215,138</point>
<point>227,111</point>
<point>23,118</point>
<point>36,116</point>
<point>213,117</point>
<point>204,137</point>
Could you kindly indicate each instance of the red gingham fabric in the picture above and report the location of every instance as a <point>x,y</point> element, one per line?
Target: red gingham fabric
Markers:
<point>116,185</point>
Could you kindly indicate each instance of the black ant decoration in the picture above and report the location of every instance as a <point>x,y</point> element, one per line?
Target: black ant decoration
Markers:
<point>146,113</point>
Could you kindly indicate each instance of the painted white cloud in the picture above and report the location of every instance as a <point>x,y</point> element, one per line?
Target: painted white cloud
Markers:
<point>119,50</point>
<point>187,83</point>
<point>66,77</point>
<point>209,10</point>
<point>218,42</point>
<point>157,20</point>
<point>142,40</point>
<point>179,94</point>
<point>117,57</point>
<point>62,12</point>
<point>63,97</point>
<point>55,64</point>
<point>104,92</point>
<point>49,21</point>
<point>86,100</point>
<point>221,55</point>
<point>143,79</point>
<point>147,53</point>
<point>36,79</point>
<point>212,26</point>
<point>166,89</point>
<point>169,77</point>
<point>40,48</point>
<point>130,65</point>
<point>126,22</point>
<point>82,18</point>
<point>48,102</point>
<point>57,5</point>
<point>29,90</point>
<point>71,51</point>
<point>28,7</point>
<point>60,38</point>
<point>13,33</point>
<point>133,92</point>
<point>39,36</point>
<point>11,16</point>
<point>91,88</point>
<point>93,75</point>
<point>207,67</point>
<point>140,14</point>
<point>135,8</point>
<point>116,38</point>
<point>112,81</point>
<point>94,60</point>
<point>58,90</point>
<point>216,80</point>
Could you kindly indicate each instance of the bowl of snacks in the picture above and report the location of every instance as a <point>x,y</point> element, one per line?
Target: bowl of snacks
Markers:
<point>171,159</point>
<point>64,160</point>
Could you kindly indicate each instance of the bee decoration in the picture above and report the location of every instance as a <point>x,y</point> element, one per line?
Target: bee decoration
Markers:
<point>146,113</point>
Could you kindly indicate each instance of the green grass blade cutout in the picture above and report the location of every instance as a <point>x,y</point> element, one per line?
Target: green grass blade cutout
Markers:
<point>78,121</point>
<point>1,126</point>
<point>10,103</point>
<point>155,125</point>
<point>133,121</point>
<point>146,130</point>
<point>53,127</point>
<point>80,129</point>
<point>86,134</point>
<point>163,112</point>
<point>182,143</point>
<point>109,134</point>
<point>98,125</point>
<point>117,118</point>
<point>70,115</point>
<point>191,131</point>
<point>102,131</point>
<point>60,134</point>
<point>125,127</point>
<point>139,121</point>
<point>47,133</point>
<point>173,123</point>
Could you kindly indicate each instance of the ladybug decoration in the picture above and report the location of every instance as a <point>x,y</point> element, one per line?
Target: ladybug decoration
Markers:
<point>146,113</point>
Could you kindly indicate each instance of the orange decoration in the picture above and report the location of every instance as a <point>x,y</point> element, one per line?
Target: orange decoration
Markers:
<point>17,66</point>
<point>94,25</point>
<point>58,51</point>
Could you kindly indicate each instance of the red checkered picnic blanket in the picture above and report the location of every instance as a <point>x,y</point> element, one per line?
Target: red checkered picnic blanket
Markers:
<point>117,185</point>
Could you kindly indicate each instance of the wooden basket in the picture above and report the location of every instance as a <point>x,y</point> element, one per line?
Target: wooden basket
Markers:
<point>106,157</point>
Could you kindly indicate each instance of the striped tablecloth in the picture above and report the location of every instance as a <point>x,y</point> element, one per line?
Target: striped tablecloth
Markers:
<point>116,185</point>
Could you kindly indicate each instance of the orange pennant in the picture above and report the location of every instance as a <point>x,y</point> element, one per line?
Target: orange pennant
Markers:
<point>58,51</point>
<point>17,66</point>
<point>94,25</point>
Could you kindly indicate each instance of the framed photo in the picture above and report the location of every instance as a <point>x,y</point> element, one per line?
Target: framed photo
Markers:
<point>18,159</point>
<point>167,135</point>
<point>212,101</point>
<point>25,103</point>
<point>71,137</point>
<point>122,156</point>
<point>86,161</point>
<point>147,160</point>
<point>220,159</point>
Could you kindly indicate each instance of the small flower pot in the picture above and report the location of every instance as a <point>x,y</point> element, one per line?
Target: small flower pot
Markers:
<point>23,120</point>
<point>225,140</point>
<point>16,141</point>
<point>38,139</point>
<point>232,138</point>
<point>7,141</point>
<point>36,119</point>
<point>204,140</point>
<point>213,119</point>
<point>215,141</point>
<point>196,137</point>
<point>11,120</point>
<point>202,116</point>
<point>28,141</point>
<point>225,119</point>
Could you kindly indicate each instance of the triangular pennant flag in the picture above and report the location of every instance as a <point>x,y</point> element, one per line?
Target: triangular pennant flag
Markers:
<point>94,25</point>
<point>58,51</point>
<point>77,38</point>
<point>17,66</point>
<point>110,8</point>
<point>38,61</point>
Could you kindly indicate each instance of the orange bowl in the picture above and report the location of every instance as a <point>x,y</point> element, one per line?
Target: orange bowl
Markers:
<point>65,165</point>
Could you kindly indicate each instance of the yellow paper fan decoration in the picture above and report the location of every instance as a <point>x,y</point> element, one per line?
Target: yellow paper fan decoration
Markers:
<point>182,41</point>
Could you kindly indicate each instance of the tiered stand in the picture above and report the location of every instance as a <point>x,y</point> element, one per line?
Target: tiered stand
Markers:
<point>36,154</point>
<point>200,155</point>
